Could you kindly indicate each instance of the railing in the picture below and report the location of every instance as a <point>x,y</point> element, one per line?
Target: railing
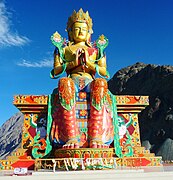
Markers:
<point>75,163</point>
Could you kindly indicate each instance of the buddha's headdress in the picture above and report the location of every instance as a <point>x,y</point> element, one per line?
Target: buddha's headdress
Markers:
<point>80,16</point>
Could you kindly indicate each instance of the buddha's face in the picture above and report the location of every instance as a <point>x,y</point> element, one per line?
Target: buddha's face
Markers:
<point>79,32</point>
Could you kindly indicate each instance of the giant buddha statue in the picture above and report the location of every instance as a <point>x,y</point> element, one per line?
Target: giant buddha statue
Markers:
<point>81,60</point>
<point>78,122</point>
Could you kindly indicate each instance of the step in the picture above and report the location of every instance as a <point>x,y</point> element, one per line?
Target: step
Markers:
<point>139,161</point>
<point>6,165</point>
<point>140,150</point>
<point>144,155</point>
<point>19,152</point>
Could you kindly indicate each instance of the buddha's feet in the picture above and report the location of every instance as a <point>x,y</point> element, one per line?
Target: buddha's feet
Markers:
<point>71,144</point>
<point>97,144</point>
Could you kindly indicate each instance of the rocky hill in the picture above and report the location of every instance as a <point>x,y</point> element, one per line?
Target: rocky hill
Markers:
<point>10,135</point>
<point>156,121</point>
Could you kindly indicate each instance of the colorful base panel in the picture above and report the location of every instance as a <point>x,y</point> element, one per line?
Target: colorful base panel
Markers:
<point>75,164</point>
<point>96,163</point>
<point>34,109</point>
<point>84,153</point>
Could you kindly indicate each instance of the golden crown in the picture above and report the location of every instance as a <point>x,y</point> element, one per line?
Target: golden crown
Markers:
<point>80,16</point>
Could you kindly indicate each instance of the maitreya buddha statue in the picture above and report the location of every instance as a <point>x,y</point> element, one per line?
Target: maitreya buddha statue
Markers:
<point>81,60</point>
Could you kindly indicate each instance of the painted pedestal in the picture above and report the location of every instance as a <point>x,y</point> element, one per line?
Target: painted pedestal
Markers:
<point>34,108</point>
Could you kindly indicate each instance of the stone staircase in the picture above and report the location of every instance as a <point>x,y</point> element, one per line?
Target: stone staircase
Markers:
<point>141,157</point>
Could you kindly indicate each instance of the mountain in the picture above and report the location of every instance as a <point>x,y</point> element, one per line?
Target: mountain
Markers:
<point>11,135</point>
<point>156,121</point>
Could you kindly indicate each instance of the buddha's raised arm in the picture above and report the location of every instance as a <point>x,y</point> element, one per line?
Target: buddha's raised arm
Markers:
<point>58,63</point>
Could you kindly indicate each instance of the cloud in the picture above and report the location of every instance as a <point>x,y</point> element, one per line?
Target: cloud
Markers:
<point>39,64</point>
<point>7,37</point>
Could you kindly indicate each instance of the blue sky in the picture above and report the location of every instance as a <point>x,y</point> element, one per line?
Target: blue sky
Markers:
<point>138,31</point>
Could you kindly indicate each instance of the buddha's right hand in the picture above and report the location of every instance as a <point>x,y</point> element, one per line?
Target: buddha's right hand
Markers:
<point>81,56</point>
